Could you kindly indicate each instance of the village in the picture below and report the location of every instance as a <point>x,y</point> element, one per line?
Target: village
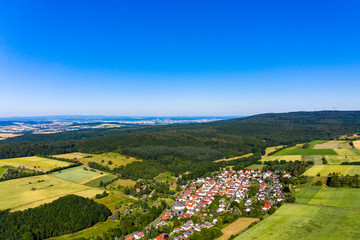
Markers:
<point>205,200</point>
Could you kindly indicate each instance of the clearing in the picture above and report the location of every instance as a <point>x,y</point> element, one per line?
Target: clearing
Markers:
<point>22,193</point>
<point>233,158</point>
<point>324,170</point>
<point>297,221</point>
<point>33,163</point>
<point>236,227</point>
<point>165,177</point>
<point>76,174</point>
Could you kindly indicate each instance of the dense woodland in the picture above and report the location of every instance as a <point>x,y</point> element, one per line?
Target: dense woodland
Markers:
<point>190,147</point>
<point>64,215</point>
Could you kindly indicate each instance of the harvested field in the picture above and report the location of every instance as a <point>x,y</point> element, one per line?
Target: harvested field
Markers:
<point>324,170</point>
<point>333,145</point>
<point>287,158</point>
<point>269,150</point>
<point>33,163</point>
<point>337,160</point>
<point>236,227</point>
<point>22,193</point>
<point>76,174</point>
<point>297,221</point>
<point>238,157</point>
<point>72,156</point>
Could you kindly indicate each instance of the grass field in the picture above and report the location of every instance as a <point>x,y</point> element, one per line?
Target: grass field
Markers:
<point>122,182</point>
<point>269,150</point>
<point>236,227</point>
<point>76,174</point>
<point>233,158</point>
<point>348,151</point>
<point>287,158</point>
<point>94,231</point>
<point>306,194</point>
<point>33,163</point>
<point>165,177</point>
<point>17,194</point>
<point>255,167</point>
<point>307,151</point>
<point>115,201</point>
<point>104,179</point>
<point>103,159</point>
<point>324,170</point>
<point>297,221</point>
<point>314,158</point>
<point>337,159</point>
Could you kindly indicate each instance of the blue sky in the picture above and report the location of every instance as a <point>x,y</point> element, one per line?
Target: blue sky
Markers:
<point>172,58</point>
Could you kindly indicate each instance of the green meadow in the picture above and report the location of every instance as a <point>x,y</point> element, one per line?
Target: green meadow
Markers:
<point>75,174</point>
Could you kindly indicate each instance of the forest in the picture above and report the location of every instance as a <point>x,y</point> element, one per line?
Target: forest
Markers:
<point>65,215</point>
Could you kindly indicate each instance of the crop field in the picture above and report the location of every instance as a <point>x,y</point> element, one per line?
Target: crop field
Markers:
<point>236,227</point>
<point>112,160</point>
<point>33,163</point>
<point>297,221</point>
<point>165,177</point>
<point>336,197</point>
<point>287,158</point>
<point>324,170</point>
<point>76,174</point>
<point>103,178</point>
<point>22,193</point>
<point>357,144</point>
<point>269,150</point>
<point>332,145</point>
<point>71,156</point>
<point>337,159</point>
<point>314,158</point>
<point>123,183</point>
<point>233,158</point>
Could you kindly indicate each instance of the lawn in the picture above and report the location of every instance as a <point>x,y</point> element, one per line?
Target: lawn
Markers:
<point>110,159</point>
<point>287,158</point>
<point>324,170</point>
<point>33,163</point>
<point>104,179</point>
<point>297,221</point>
<point>307,151</point>
<point>236,227</point>
<point>76,174</point>
<point>17,194</point>
<point>94,231</point>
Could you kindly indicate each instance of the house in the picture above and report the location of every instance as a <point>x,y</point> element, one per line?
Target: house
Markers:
<point>187,226</point>
<point>267,206</point>
<point>139,235</point>
<point>162,236</point>
<point>188,233</point>
<point>197,227</point>
<point>130,237</point>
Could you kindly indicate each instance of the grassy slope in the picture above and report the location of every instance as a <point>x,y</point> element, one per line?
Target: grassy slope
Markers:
<point>17,193</point>
<point>296,221</point>
<point>104,179</point>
